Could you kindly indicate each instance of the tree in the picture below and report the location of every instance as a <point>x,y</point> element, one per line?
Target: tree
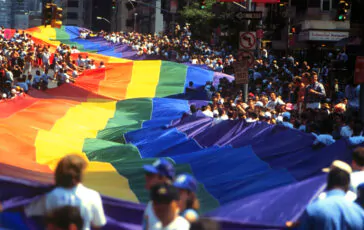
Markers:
<point>200,19</point>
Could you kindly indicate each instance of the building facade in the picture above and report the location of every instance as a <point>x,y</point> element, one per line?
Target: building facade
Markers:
<point>76,12</point>
<point>5,13</point>
<point>143,16</point>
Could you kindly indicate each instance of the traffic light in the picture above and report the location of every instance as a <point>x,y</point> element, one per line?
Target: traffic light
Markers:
<point>202,4</point>
<point>342,10</point>
<point>57,17</point>
<point>293,30</point>
<point>113,4</point>
<point>47,14</point>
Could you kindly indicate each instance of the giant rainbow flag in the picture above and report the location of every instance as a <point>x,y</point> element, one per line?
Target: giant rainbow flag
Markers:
<point>251,176</point>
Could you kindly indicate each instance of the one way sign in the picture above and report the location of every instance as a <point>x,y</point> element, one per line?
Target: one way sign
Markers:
<point>248,15</point>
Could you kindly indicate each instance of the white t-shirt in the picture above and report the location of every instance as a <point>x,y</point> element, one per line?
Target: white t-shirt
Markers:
<point>356,178</point>
<point>208,113</point>
<point>151,222</point>
<point>88,200</point>
<point>45,58</point>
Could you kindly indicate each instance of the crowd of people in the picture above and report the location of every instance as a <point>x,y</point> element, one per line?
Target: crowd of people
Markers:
<point>70,205</point>
<point>291,94</point>
<point>179,47</point>
<point>174,204</point>
<point>281,91</point>
<point>26,65</point>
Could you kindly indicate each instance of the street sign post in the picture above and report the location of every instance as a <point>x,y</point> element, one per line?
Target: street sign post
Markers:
<point>247,56</point>
<point>248,40</point>
<point>248,15</point>
<point>241,72</point>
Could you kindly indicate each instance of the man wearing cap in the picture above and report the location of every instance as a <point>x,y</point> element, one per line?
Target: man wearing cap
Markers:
<point>335,211</point>
<point>161,171</point>
<point>165,199</point>
<point>356,177</point>
<point>188,202</point>
<point>286,120</point>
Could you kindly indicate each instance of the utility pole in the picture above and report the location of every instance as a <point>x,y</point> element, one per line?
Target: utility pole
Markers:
<point>288,11</point>
<point>246,86</point>
<point>135,21</point>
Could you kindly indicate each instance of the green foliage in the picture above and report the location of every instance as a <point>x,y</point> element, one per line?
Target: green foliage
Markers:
<point>200,19</point>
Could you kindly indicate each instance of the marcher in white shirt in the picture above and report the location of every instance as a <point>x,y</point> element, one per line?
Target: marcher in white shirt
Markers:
<point>165,207</point>
<point>356,176</point>
<point>45,59</point>
<point>274,102</point>
<point>207,111</point>
<point>69,191</point>
<point>161,171</point>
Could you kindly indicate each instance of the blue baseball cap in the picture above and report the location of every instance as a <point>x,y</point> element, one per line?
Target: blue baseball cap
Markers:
<point>187,182</point>
<point>161,167</point>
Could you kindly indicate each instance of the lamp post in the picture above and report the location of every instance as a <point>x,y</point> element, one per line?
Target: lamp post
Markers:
<point>135,21</point>
<point>101,18</point>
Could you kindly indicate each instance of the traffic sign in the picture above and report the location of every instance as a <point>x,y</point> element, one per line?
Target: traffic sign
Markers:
<point>248,15</point>
<point>248,40</point>
<point>241,73</point>
<point>247,56</point>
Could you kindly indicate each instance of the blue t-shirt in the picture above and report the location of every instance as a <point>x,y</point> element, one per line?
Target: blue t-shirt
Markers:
<point>333,212</point>
<point>23,85</point>
<point>36,79</point>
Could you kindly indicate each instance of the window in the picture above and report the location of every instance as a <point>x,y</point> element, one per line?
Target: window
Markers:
<point>72,4</point>
<point>326,5</point>
<point>314,3</point>
<point>72,15</point>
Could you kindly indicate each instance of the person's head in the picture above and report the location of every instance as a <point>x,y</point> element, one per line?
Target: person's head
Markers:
<point>64,218</point>
<point>165,199</point>
<point>273,96</point>
<point>344,101</point>
<point>358,159</point>
<point>69,171</point>
<point>306,78</point>
<point>205,224</point>
<point>314,77</point>
<point>161,171</point>
<point>187,186</point>
<point>193,109</point>
<point>286,116</point>
<point>339,176</point>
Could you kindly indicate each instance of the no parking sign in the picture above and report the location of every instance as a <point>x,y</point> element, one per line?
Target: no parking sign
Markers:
<point>248,40</point>
<point>247,56</point>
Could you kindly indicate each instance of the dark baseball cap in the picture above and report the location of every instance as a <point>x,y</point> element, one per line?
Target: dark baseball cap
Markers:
<point>187,182</point>
<point>164,193</point>
<point>161,167</point>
